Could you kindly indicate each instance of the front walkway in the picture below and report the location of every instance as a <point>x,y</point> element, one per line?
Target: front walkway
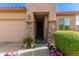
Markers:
<point>40,50</point>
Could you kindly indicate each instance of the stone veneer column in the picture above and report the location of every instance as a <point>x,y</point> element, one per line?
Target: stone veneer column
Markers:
<point>30,29</point>
<point>51,28</point>
<point>30,25</point>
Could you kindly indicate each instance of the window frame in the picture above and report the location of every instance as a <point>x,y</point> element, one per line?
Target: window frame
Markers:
<point>63,24</point>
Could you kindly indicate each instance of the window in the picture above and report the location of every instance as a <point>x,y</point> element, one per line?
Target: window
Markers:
<point>61,23</point>
<point>64,24</point>
<point>77,22</point>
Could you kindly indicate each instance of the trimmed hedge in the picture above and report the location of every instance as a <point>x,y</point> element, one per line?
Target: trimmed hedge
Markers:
<point>67,42</point>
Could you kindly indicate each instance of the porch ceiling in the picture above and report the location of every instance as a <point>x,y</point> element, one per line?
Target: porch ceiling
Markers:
<point>41,13</point>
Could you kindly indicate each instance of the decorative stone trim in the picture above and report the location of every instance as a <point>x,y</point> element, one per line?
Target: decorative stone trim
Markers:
<point>30,29</point>
<point>51,28</point>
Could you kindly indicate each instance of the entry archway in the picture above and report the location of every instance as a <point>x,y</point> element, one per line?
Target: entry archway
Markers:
<point>41,26</point>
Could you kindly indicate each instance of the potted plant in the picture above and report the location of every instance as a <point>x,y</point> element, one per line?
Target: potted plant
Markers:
<point>29,42</point>
<point>33,45</point>
<point>24,42</point>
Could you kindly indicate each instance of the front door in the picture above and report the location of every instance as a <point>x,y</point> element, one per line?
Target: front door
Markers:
<point>40,28</point>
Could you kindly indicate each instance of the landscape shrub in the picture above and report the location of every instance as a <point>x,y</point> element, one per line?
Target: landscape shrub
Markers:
<point>67,42</point>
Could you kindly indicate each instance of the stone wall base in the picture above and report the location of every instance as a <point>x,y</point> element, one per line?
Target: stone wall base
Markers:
<point>30,29</point>
<point>51,29</point>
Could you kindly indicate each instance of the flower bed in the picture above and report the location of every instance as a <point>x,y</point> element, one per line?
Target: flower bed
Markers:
<point>11,54</point>
<point>54,51</point>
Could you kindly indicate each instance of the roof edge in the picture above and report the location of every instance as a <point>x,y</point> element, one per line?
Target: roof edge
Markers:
<point>72,13</point>
<point>13,9</point>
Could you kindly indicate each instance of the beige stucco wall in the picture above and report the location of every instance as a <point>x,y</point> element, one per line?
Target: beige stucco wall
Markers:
<point>12,26</point>
<point>45,9</point>
<point>12,15</point>
<point>77,27</point>
<point>42,7</point>
<point>72,21</point>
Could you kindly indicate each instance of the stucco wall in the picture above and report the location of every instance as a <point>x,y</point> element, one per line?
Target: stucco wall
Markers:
<point>45,9</point>
<point>42,7</point>
<point>12,15</point>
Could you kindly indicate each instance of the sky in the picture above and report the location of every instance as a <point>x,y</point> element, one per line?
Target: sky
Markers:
<point>67,7</point>
<point>64,7</point>
<point>60,7</point>
<point>12,4</point>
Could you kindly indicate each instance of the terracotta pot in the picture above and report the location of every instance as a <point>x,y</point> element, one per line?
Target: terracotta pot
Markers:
<point>25,45</point>
<point>28,45</point>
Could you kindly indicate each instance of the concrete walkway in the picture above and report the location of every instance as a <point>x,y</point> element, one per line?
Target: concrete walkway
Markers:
<point>40,50</point>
